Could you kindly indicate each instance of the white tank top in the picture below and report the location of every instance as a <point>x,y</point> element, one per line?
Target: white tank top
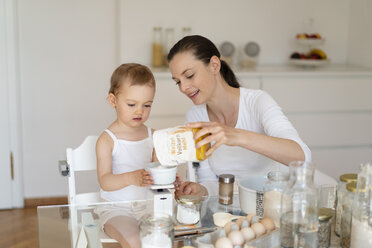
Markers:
<point>129,156</point>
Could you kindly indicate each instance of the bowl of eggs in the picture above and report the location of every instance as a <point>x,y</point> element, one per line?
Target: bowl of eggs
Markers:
<point>244,230</point>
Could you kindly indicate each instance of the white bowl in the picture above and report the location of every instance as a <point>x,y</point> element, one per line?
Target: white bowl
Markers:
<point>161,174</point>
<point>251,194</point>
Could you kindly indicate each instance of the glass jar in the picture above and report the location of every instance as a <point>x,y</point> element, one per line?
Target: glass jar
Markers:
<point>157,47</point>
<point>188,209</point>
<point>299,209</point>
<point>168,44</point>
<point>226,189</point>
<point>341,191</point>
<point>361,227</point>
<point>347,203</point>
<point>324,229</point>
<point>156,232</point>
<point>273,188</point>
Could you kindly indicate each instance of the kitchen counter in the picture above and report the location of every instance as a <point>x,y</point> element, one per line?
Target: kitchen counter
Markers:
<point>288,70</point>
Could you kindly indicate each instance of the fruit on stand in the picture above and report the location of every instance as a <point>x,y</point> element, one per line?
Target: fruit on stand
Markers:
<point>308,36</point>
<point>314,54</point>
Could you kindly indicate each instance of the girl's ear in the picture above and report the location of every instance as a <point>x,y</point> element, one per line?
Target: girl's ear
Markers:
<point>112,100</point>
<point>215,64</point>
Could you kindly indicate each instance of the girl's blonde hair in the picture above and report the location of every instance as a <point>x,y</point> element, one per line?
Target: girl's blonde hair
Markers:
<point>132,73</point>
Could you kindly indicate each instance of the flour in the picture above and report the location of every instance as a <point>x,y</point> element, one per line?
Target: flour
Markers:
<point>187,215</point>
<point>361,234</point>
<point>272,201</point>
<point>156,240</point>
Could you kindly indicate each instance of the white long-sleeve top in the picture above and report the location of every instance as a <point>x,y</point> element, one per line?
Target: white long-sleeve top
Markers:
<point>258,112</point>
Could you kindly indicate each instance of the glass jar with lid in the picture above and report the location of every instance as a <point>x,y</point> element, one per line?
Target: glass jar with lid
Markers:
<point>299,209</point>
<point>157,47</point>
<point>341,191</point>
<point>361,224</point>
<point>188,209</point>
<point>347,203</point>
<point>156,231</point>
<point>226,189</point>
<point>325,224</point>
<point>168,44</point>
<point>273,188</point>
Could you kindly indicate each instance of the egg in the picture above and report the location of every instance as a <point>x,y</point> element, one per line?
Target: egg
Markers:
<point>223,242</point>
<point>236,237</point>
<point>258,228</point>
<point>268,223</point>
<point>242,222</point>
<point>249,218</point>
<point>248,233</point>
<point>230,226</point>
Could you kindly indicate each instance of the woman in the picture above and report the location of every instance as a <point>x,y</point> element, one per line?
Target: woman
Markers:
<point>247,128</point>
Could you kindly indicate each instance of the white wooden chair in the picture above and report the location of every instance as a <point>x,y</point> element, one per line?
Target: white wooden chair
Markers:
<point>81,159</point>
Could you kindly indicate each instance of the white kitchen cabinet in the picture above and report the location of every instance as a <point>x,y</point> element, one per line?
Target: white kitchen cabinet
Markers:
<point>331,112</point>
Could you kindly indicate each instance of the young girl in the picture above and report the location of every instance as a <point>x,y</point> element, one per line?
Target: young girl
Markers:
<point>123,150</point>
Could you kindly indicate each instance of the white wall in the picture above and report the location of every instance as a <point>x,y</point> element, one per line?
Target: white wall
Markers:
<point>271,23</point>
<point>68,50</point>
<point>360,34</point>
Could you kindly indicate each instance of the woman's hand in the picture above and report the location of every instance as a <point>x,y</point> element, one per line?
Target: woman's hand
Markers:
<point>190,188</point>
<point>141,178</point>
<point>220,134</point>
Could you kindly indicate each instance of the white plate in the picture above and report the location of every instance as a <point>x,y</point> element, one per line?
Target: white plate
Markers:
<point>309,62</point>
<point>310,42</point>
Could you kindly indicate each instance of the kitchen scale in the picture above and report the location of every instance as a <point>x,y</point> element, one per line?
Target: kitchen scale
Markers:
<point>163,199</point>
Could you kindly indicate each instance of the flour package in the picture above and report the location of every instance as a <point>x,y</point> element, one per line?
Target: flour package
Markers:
<point>176,145</point>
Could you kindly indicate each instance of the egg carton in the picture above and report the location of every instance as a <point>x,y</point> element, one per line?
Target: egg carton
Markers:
<point>268,240</point>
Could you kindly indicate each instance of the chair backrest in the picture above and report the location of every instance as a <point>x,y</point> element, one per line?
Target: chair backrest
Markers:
<point>82,158</point>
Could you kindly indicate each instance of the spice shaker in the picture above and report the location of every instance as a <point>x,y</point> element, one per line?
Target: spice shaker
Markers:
<point>341,191</point>
<point>361,224</point>
<point>324,228</point>
<point>156,231</point>
<point>188,209</point>
<point>226,189</point>
<point>347,203</point>
<point>273,188</point>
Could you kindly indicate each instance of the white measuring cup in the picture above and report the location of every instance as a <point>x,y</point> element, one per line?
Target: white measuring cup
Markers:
<point>220,219</point>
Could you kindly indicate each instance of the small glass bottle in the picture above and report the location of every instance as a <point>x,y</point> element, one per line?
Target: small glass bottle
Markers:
<point>341,191</point>
<point>347,203</point>
<point>188,209</point>
<point>273,188</point>
<point>325,224</point>
<point>299,208</point>
<point>226,189</point>
<point>156,232</point>
<point>361,224</point>
<point>157,47</point>
<point>169,42</point>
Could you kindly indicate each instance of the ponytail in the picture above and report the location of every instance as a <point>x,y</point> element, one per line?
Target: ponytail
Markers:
<point>228,75</point>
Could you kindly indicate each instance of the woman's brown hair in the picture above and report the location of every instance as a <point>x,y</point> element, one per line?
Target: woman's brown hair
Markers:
<point>203,49</point>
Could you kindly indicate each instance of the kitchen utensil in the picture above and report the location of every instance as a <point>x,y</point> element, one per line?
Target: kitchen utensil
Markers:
<point>251,194</point>
<point>221,218</point>
<point>162,175</point>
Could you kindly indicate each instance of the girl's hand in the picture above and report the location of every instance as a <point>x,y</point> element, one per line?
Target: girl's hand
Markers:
<point>220,134</point>
<point>190,188</point>
<point>141,178</point>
